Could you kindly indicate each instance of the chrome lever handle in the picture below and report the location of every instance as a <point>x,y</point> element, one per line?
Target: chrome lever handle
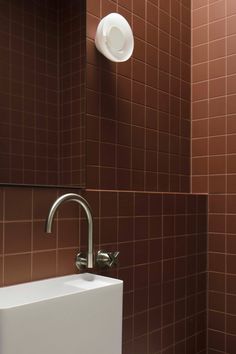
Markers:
<point>81,260</point>
<point>107,259</point>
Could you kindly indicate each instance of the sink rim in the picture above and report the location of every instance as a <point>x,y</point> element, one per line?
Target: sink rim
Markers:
<point>57,287</point>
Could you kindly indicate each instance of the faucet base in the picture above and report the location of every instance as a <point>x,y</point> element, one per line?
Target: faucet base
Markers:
<point>81,260</point>
<point>103,260</point>
<point>106,259</point>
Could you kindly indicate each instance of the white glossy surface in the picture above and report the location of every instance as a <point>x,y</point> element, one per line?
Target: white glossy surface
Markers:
<point>114,38</point>
<point>77,314</point>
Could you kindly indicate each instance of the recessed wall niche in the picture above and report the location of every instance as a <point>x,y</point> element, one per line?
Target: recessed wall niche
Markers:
<point>42,92</point>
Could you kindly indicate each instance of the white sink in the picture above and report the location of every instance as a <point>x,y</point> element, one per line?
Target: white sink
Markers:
<point>77,314</point>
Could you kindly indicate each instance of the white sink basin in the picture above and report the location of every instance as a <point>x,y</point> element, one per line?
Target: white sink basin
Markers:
<point>77,314</point>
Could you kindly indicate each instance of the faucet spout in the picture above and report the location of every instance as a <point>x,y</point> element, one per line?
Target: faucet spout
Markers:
<point>83,202</point>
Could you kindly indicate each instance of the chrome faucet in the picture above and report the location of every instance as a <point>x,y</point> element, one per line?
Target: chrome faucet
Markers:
<point>72,197</point>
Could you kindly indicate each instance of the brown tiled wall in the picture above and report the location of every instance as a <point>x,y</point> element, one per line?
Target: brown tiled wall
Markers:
<point>28,92</point>
<point>138,112</point>
<point>138,137</point>
<point>214,157</point>
<point>162,244</point>
<point>72,25</point>
<point>42,92</point>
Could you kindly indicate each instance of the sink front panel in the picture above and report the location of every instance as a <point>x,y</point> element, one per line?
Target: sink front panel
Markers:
<point>84,322</point>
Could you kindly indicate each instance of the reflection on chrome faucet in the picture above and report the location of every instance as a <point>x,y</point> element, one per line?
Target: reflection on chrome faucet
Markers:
<point>72,197</point>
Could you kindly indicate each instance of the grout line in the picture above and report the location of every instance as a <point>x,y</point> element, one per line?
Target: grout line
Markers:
<point>3,230</point>
<point>162,252</point>
<point>226,171</point>
<point>208,147</point>
<point>32,233</point>
<point>191,105</point>
<point>169,98</point>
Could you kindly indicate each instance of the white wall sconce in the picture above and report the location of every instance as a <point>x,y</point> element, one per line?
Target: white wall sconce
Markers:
<point>114,38</point>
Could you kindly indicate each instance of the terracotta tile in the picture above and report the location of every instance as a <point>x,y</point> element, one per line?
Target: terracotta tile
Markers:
<point>108,204</point>
<point>200,166</point>
<point>217,145</point>
<point>217,301</point>
<point>217,223</point>
<point>231,107</point>
<point>66,261</point>
<point>216,340</point>
<point>44,265</point>
<point>42,201</point>
<point>231,67</point>
<point>199,72</point>
<point>217,49</point>
<point>217,165</point>
<point>217,10</point>
<point>139,49</point>
<point>93,8</point>
<point>200,35</point>
<point>200,54</point>
<point>217,67</point>
<point>125,230</point>
<point>141,276</point>
<point>127,329</point>
<point>231,284</point>
<point>231,41</point>
<point>231,246</point>
<point>17,269</point>
<point>217,87</point>
<point>108,230</point>
<point>200,110</point>
<point>126,257</point>
<point>107,155</point>
<point>124,88</point>
<point>20,241</point>
<point>200,17</point>
<point>231,324</point>
<point>140,344</point>
<point>217,262</point>
<point>68,233</point>
<point>231,8</point>
<point>93,199</point>
<point>141,228</point>
<point>217,282</point>
<point>123,179</point>
<point>155,340</point>
<point>200,91</point>
<point>217,126</point>
<point>230,344</point>
<point>217,107</point>
<point>217,204</point>
<point>126,274</point>
<point>199,184</point>
<point>231,167</point>
<point>231,29</point>
<point>200,147</point>
<point>141,204</point>
<point>217,29</point>
<point>200,128</point>
<point>231,184</point>
<point>42,241</point>
<point>13,198</point>
<point>230,224</point>
<point>140,324</point>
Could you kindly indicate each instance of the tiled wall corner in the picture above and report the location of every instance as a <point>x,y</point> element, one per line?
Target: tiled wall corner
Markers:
<point>213,157</point>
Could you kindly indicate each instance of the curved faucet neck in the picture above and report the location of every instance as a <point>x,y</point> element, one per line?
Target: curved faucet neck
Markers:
<point>83,202</point>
